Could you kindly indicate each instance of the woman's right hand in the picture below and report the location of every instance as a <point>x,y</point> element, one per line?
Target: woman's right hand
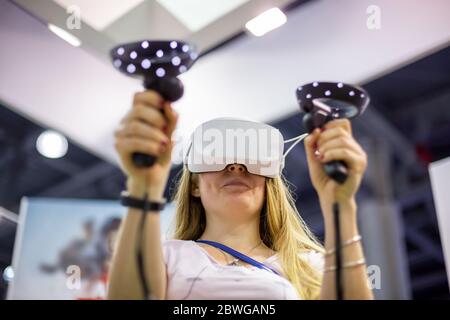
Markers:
<point>147,128</point>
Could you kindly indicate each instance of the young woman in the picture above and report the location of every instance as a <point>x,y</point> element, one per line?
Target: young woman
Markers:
<point>252,214</point>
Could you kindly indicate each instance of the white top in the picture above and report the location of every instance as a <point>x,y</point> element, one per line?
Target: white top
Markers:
<point>193,274</point>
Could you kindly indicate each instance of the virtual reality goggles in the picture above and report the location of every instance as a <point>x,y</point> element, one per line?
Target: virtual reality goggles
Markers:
<point>219,142</point>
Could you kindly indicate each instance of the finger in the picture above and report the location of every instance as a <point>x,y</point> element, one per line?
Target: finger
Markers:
<point>342,123</point>
<point>310,146</point>
<point>339,142</point>
<point>140,129</point>
<point>332,133</point>
<point>134,144</point>
<point>146,114</point>
<point>149,98</point>
<point>355,161</point>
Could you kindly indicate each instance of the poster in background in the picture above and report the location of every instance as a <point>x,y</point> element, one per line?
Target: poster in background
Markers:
<point>63,247</point>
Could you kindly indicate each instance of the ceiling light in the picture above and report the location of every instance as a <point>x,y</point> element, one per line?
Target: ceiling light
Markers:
<point>52,144</point>
<point>266,21</point>
<point>63,34</point>
<point>8,274</point>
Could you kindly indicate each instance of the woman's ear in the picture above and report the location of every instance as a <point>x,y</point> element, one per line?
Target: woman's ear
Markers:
<point>195,190</point>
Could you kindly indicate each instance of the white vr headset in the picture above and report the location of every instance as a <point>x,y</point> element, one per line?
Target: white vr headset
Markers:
<point>219,142</point>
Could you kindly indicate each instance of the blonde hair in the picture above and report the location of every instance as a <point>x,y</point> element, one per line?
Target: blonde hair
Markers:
<point>281,229</point>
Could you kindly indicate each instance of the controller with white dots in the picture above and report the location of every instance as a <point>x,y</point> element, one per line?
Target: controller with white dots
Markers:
<point>325,101</point>
<point>158,63</point>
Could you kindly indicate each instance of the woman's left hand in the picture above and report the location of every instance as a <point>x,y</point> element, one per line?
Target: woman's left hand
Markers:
<point>335,142</point>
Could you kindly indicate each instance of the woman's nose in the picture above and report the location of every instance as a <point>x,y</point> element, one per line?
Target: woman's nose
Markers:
<point>236,167</point>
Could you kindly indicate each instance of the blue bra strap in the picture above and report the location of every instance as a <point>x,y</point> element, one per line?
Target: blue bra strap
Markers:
<point>239,255</point>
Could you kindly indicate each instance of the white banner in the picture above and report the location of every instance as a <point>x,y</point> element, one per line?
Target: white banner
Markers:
<point>440,183</point>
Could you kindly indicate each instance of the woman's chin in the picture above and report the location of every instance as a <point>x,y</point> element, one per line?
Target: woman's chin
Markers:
<point>238,198</point>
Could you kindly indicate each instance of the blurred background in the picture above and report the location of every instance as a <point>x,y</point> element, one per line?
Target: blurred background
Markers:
<point>61,99</point>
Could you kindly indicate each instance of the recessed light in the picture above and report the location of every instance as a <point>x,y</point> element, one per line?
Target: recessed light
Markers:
<point>52,144</point>
<point>266,22</point>
<point>63,34</point>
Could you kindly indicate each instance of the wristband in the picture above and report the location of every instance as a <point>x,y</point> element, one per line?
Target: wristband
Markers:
<point>143,204</point>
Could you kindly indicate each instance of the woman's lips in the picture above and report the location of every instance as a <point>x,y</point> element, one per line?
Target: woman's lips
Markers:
<point>235,183</point>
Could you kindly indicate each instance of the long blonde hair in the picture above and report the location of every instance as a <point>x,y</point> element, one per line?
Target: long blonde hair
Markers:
<point>281,228</point>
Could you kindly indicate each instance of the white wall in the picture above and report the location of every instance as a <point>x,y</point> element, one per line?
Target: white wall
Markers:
<point>440,183</point>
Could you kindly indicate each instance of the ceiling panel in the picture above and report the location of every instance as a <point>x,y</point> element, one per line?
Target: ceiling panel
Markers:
<point>196,14</point>
<point>100,13</point>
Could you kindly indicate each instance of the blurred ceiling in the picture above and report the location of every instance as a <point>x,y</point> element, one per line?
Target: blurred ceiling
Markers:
<point>317,43</point>
<point>106,22</point>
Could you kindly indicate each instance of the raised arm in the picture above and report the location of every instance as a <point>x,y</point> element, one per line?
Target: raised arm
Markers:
<point>148,129</point>
<point>336,142</point>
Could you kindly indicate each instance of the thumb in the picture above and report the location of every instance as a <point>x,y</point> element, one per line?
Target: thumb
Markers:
<point>172,119</point>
